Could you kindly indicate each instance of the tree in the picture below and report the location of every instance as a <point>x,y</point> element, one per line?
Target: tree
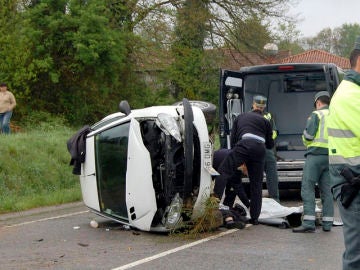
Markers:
<point>322,41</point>
<point>13,49</point>
<point>76,57</point>
<point>287,37</point>
<point>209,24</point>
<point>188,48</point>
<point>339,41</point>
<point>250,35</point>
<point>65,56</point>
<point>344,38</point>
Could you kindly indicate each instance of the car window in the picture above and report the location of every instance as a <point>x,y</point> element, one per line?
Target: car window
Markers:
<point>111,162</point>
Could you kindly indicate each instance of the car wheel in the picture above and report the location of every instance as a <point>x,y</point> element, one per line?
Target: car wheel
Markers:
<point>188,147</point>
<point>207,108</point>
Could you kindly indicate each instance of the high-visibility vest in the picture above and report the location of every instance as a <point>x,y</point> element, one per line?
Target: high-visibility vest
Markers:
<point>344,125</point>
<point>321,137</point>
<point>268,116</point>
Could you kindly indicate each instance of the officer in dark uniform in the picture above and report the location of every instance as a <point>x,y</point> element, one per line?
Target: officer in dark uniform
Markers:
<point>250,135</point>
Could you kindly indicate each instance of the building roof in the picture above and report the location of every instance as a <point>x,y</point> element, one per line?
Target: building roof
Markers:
<point>318,56</point>
<point>234,60</point>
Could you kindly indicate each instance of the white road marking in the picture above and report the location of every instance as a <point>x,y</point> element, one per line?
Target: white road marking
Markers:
<point>45,219</point>
<point>168,252</point>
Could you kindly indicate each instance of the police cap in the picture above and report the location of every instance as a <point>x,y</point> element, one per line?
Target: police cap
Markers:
<point>260,101</point>
<point>321,94</point>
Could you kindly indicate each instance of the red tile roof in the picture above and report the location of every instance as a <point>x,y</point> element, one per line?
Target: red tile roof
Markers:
<point>232,59</point>
<point>318,56</point>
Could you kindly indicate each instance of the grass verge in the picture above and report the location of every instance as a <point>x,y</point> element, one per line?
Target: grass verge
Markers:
<point>34,169</point>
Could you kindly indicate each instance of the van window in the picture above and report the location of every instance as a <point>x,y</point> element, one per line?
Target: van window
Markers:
<point>290,101</point>
<point>304,82</point>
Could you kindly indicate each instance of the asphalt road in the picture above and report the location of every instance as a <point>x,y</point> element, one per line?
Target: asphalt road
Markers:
<point>61,238</point>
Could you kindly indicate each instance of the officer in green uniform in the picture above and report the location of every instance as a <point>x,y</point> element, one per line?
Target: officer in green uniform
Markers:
<point>272,180</point>
<point>344,153</point>
<point>316,169</point>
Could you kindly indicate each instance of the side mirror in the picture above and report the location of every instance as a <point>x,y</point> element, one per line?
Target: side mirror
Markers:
<point>124,107</point>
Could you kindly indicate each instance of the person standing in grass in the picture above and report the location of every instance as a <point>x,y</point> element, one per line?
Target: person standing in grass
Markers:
<point>7,105</point>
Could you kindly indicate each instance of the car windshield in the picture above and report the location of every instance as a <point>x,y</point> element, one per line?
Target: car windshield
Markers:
<point>111,161</point>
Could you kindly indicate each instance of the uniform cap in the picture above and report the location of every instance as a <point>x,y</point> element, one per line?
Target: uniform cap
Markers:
<point>260,101</point>
<point>321,94</point>
<point>2,84</point>
<point>357,44</point>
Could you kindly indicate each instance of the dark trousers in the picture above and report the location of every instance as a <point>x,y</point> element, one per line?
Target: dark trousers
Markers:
<point>234,184</point>
<point>252,153</point>
<point>235,187</point>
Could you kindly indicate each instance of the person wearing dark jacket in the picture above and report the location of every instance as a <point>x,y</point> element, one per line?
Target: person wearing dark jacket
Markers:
<point>250,136</point>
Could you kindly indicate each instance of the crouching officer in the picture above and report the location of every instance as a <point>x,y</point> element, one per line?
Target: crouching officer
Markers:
<point>316,169</point>
<point>251,134</point>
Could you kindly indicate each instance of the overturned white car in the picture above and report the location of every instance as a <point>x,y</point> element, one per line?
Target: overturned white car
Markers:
<point>148,168</point>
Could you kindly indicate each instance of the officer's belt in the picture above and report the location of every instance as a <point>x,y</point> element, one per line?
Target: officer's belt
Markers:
<point>247,136</point>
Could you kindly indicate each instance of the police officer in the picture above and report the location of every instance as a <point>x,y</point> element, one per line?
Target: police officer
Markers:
<point>344,152</point>
<point>234,186</point>
<point>316,169</point>
<point>250,135</point>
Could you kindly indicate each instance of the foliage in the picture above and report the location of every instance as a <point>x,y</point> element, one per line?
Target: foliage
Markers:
<point>250,35</point>
<point>78,59</point>
<point>71,49</point>
<point>345,37</point>
<point>35,169</point>
<point>288,38</point>
<point>339,41</point>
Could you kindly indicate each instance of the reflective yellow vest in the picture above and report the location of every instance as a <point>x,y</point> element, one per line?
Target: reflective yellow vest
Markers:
<point>344,125</point>
<point>321,136</point>
<point>268,116</point>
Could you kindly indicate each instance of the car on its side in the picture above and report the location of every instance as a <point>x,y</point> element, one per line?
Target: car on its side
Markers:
<point>149,168</point>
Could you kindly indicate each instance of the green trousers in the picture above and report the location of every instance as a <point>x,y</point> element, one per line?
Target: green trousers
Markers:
<point>272,180</point>
<point>351,218</point>
<point>316,171</point>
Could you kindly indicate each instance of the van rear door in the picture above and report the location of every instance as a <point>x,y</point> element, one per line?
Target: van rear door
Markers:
<point>231,103</point>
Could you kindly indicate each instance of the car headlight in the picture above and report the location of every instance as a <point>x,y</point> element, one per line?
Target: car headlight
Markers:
<point>170,125</point>
<point>172,214</point>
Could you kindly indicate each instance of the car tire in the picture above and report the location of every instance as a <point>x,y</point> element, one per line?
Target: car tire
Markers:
<point>207,108</point>
<point>188,147</point>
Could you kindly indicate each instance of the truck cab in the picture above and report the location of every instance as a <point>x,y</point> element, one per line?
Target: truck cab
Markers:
<point>290,90</point>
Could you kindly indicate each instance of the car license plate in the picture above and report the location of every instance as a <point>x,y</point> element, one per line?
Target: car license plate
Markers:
<point>208,159</point>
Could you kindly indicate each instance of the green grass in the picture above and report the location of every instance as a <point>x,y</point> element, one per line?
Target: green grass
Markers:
<point>34,168</point>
